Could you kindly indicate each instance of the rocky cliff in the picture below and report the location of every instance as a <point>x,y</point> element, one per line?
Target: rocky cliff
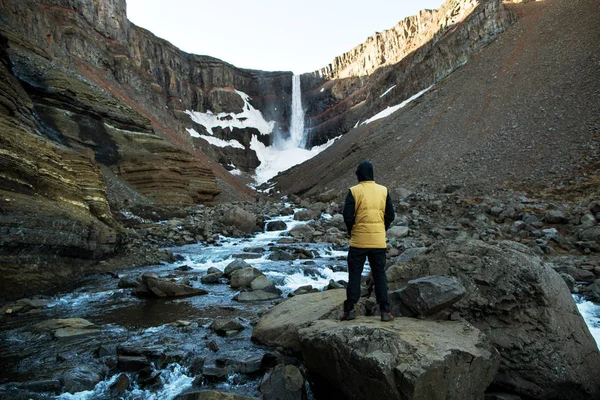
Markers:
<point>521,113</point>
<point>393,65</point>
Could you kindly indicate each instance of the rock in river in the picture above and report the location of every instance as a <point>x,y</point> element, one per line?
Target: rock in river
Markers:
<point>152,286</point>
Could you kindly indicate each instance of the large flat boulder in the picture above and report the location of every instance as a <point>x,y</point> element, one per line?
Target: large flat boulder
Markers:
<point>279,327</point>
<point>153,286</point>
<point>527,311</point>
<point>405,359</point>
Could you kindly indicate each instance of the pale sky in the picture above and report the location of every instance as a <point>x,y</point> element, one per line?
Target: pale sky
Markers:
<point>271,35</point>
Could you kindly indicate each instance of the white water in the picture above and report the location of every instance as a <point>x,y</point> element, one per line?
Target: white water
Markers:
<point>297,137</point>
<point>591,314</point>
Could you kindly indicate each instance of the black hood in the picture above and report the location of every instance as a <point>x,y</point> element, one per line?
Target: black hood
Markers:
<point>364,172</point>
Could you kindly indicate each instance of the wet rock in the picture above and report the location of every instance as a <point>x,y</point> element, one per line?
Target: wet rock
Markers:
<point>153,286</point>
<point>302,231</point>
<point>255,295</point>
<point>303,290</point>
<point>212,346</point>
<point>234,266</point>
<point>212,395</point>
<point>68,327</point>
<point>136,363</point>
<point>244,277</point>
<point>213,374</point>
<point>280,255</point>
<point>26,305</point>
<point>334,285</point>
<point>226,326</point>
<point>276,226</point>
<point>284,382</point>
<point>262,283</point>
<point>184,268</point>
<point>409,358</point>
<point>128,282</point>
<point>240,219</point>
<point>307,215</point>
<point>428,295</point>
<point>254,249</point>
<point>213,270</point>
<point>336,221</point>
<point>119,386</point>
<point>211,278</point>
<point>80,379</point>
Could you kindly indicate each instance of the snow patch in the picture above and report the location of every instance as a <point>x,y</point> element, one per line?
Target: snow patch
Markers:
<point>250,117</point>
<point>216,141</point>
<point>391,110</point>
<point>387,91</point>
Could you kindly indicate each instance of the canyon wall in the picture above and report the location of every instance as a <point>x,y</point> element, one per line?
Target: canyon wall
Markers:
<point>395,64</point>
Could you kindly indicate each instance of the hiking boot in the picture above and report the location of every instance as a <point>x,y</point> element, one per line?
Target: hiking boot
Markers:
<point>347,316</point>
<point>387,316</point>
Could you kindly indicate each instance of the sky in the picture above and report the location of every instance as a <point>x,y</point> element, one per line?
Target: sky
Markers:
<point>271,35</point>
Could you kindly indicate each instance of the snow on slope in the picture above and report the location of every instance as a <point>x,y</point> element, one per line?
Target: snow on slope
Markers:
<point>390,110</point>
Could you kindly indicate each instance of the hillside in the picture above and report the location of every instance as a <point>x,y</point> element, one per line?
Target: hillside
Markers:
<point>524,113</point>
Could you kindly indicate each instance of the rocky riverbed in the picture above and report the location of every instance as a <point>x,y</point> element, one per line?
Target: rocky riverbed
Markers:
<point>185,325</point>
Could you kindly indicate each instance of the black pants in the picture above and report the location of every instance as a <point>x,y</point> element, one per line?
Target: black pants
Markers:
<point>356,263</point>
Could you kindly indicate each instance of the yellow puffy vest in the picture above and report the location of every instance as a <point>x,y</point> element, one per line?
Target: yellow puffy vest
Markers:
<point>368,231</point>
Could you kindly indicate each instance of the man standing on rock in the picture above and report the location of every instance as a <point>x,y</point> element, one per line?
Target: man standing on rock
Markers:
<point>368,213</point>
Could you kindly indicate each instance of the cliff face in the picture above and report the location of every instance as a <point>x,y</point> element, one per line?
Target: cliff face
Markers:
<point>416,53</point>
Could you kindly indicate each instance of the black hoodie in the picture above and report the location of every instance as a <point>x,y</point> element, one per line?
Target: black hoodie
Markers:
<point>364,172</point>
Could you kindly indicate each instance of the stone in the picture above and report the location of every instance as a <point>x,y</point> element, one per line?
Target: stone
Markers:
<point>256,295</point>
<point>555,217</point>
<point>152,286</point>
<point>222,326</point>
<point>234,266</point>
<point>213,270</point>
<point>591,234</point>
<point>397,232</point>
<point>132,363</point>
<point>428,295</point>
<point>407,358</point>
<point>211,278</point>
<point>279,326</point>
<point>587,219</point>
<point>280,255</point>
<point>284,382</point>
<point>303,289</point>
<point>244,277</point>
<point>240,219</point>
<point>262,283</point>
<point>68,327</point>
<point>212,395</point>
<point>304,231</point>
<point>526,310</point>
<point>276,226</point>
<point>128,282</point>
<point>119,386</point>
<point>80,379</point>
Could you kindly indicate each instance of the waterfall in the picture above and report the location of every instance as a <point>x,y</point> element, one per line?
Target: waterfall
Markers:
<point>297,138</point>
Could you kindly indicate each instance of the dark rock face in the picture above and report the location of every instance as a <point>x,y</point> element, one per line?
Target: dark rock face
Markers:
<point>284,382</point>
<point>526,310</point>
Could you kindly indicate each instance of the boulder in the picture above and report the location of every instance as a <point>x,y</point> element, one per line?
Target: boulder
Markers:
<point>397,232</point>
<point>279,327</point>
<point>212,395</point>
<point>128,282</point>
<point>337,221</point>
<point>119,386</point>
<point>256,295</point>
<point>555,217</point>
<point>236,264</point>
<point>262,283</point>
<point>281,255</point>
<point>526,310</point>
<point>211,278</point>
<point>225,326</point>
<point>591,234</point>
<point>240,219</point>
<point>67,327</point>
<point>153,286</point>
<point>244,277</point>
<point>81,378</point>
<point>403,359</point>
<point>304,231</point>
<point>276,226</point>
<point>427,296</point>
<point>284,382</point>
<point>213,270</point>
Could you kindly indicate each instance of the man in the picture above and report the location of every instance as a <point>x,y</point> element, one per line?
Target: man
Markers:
<point>368,213</point>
